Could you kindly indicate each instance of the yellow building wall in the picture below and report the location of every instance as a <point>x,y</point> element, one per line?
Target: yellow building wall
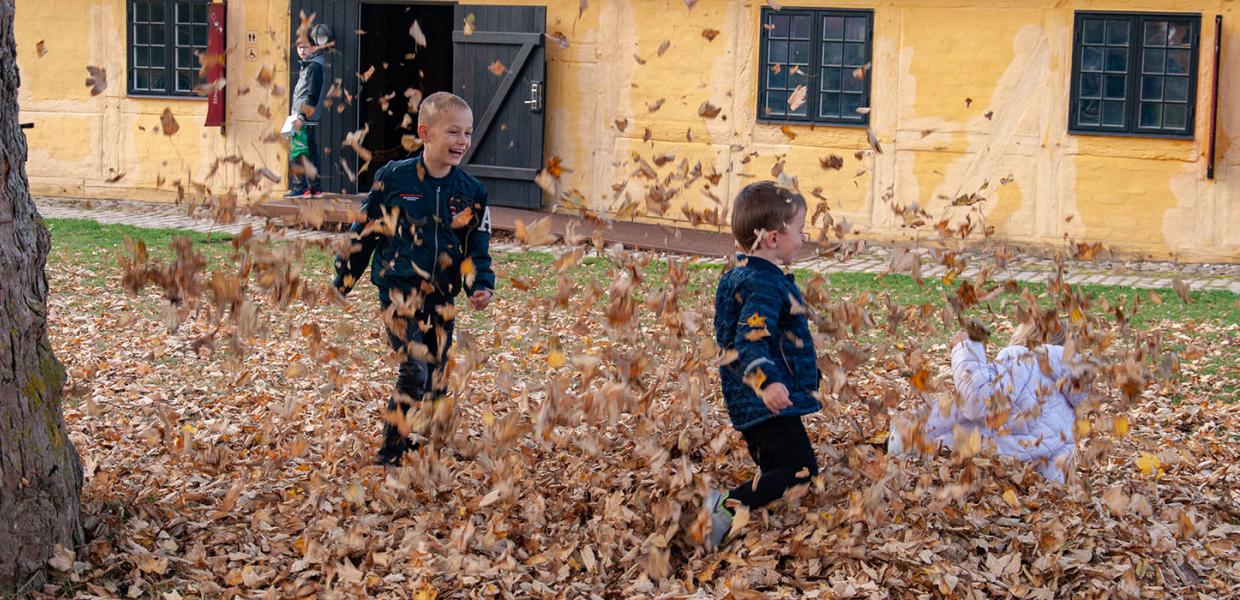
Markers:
<point>111,145</point>
<point>1010,58</point>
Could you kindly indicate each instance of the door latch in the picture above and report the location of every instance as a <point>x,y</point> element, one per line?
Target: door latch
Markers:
<point>536,96</point>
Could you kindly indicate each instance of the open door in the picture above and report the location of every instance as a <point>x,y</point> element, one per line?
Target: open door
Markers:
<point>338,114</point>
<point>507,149</point>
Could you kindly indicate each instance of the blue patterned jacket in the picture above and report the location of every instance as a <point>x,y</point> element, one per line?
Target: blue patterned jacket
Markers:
<point>754,316</point>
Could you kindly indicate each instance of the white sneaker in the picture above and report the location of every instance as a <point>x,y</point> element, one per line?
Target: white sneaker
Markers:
<point>720,519</point>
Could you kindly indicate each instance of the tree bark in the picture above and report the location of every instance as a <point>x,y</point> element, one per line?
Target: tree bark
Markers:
<point>40,473</point>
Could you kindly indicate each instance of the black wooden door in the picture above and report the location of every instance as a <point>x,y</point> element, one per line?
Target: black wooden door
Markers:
<point>338,115</point>
<point>508,107</point>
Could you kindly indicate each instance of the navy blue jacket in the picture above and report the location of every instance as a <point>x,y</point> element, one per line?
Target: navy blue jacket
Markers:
<point>754,316</point>
<point>420,230</point>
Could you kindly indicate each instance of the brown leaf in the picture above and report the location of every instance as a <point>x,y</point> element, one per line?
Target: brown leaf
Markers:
<point>832,162</point>
<point>559,38</point>
<point>788,132</point>
<point>41,49</point>
<point>710,34</point>
<point>97,80</point>
<point>1181,290</point>
<point>168,123</point>
<point>708,110</point>
<point>622,124</point>
<point>663,47</point>
<point>654,106</point>
<point>536,234</point>
<point>497,68</point>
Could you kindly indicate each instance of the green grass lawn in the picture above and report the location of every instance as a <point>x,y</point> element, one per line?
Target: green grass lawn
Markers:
<point>92,250</point>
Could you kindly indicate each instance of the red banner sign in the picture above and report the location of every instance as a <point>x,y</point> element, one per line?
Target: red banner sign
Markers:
<point>217,40</point>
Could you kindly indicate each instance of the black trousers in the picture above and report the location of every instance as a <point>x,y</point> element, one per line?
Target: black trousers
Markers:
<point>781,448</point>
<point>420,377</point>
<point>297,178</point>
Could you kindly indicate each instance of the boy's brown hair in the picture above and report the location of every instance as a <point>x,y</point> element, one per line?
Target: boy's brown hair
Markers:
<point>436,103</point>
<point>762,206</point>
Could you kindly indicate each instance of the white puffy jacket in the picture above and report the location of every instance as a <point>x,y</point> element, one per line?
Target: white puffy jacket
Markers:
<point>1033,387</point>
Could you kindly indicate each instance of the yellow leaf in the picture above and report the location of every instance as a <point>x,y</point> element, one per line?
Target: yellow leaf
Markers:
<point>1083,427</point>
<point>1009,496</point>
<point>355,494</point>
<point>556,359</point>
<point>1148,464</point>
<point>756,320</point>
<point>756,379</point>
<point>1121,425</point>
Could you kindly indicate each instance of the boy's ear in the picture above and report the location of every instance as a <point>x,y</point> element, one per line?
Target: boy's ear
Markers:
<point>422,130</point>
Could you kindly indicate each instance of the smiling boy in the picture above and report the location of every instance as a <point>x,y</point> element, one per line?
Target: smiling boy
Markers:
<point>427,234</point>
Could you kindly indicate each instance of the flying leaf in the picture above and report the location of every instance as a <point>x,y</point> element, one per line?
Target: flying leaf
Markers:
<point>788,132</point>
<point>470,24</point>
<point>415,31</point>
<point>97,80</point>
<point>797,98</point>
<point>168,123</point>
<point>536,234</point>
<point>832,162</point>
<point>663,47</point>
<point>1181,290</point>
<point>1148,464</point>
<point>708,110</point>
<point>710,34</point>
<point>497,68</point>
<point>41,49</point>
<point>559,38</point>
<point>654,106</point>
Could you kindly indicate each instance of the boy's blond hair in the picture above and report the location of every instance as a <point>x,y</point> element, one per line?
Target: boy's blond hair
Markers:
<point>434,104</point>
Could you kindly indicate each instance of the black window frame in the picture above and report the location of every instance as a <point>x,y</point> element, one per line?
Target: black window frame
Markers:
<point>1134,71</point>
<point>172,48</point>
<point>814,95</point>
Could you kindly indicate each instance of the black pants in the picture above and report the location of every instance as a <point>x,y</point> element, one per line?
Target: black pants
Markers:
<point>781,448</point>
<point>418,378</point>
<point>298,180</point>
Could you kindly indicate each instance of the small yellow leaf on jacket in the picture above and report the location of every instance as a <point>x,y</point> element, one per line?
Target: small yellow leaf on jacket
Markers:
<point>756,320</point>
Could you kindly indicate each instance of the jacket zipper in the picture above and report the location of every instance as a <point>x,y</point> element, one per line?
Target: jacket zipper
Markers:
<point>435,258</point>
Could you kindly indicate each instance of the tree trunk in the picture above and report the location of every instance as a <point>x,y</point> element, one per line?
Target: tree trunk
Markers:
<point>40,474</point>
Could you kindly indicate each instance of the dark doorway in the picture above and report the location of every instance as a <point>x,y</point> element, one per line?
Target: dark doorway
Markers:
<point>400,67</point>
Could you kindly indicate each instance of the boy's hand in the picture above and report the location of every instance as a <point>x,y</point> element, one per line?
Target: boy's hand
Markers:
<point>480,299</point>
<point>775,397</point>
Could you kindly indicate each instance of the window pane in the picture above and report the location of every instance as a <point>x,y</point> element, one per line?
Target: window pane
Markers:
<point>854,55</point>
<point>833,28</point>
<point>830,105</point>
<point>830,80</point>
<point>1093,31</point>
<point>1151,88</point>
<point>1117,33</point>
<point>852,84</point>
<point>1090,112</point>
<point>800,27</point>
<point>776,103</point>
<point>856,29</point>
<point>1113,113</point>
<point>802,110</point>
<point>851,102</point>
<point>157,35</point>
<point>1175,116</point>
<point>1091,86</point>
<point>1155,33</point>
<point>1177,89</point>
<point>141,56</point>
<point>776,80</point>
<point>141,34</point>
<point>182,12</point>
<point>1091,59</point>
<point>142,12</point>
<point>777,52</point>
<point>833,54</point>
<point>800,53</point>
<point>1117,60</point>
<point>1177,61</point>
<point>1116,87</point>
<point>158,82</point>
<point>200,12</point>
<point>1151,114</point>
<point>157,12</point>
<point>140,80</point>
<point>185,82</point>
<point>157,57</point>
<point>797,76</point>
<point>1177,35</point>
<point>1152,61</point>
<point>183,36</point>
<point>200,36</point>
<point>780,26</point>
<point>183,58</point>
